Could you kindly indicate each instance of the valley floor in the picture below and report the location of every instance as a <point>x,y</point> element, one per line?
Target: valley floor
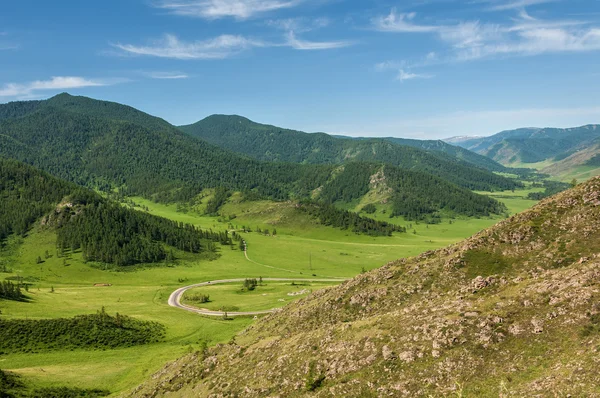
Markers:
<point>300,249</point>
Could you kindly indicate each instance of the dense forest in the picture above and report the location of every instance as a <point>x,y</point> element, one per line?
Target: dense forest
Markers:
<point>26,195</point>
<point>107,145</point>
<point>271,143</point>
<point>330,215</point>
<point>82,144</point>
<point>109,233</point>
<point>418,195</point>
<point>95,331</point>
<point>102,229</point>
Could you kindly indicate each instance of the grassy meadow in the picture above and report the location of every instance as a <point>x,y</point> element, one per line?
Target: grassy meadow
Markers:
<point>65,287</point>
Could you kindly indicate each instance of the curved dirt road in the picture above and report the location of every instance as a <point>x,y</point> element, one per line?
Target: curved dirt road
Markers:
<point>175,297</point>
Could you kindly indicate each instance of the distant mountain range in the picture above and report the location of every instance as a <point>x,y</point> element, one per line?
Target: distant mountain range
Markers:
<point>556,151</point>
<point>272,143</point>
<point>105,145</point>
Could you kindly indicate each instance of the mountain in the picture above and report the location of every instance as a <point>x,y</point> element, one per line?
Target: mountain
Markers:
<point>271,143</point>
<point>445,150</point>
<point>563,149</point>
<point>460,138</point>
<point>104,230</point>
<point>106,145</point>
<point>512,311</point>
<point>452,151</point>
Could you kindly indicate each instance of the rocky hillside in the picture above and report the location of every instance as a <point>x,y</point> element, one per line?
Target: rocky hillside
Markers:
<point>513,311</point>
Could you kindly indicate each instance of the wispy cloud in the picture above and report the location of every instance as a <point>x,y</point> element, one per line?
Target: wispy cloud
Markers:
<point>299,44</point>
<point>166,75</point>
<point>216,9</point>
<point>401,23</point>
<point>522,36</point>
<point>220,47</point>
<point>170,46</point>
<point>32,89</point>
<point>404,75</point>
<point>515,4</point>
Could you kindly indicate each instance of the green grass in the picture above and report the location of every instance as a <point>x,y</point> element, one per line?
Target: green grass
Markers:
<point>580,173</point>
<point>300,249</point>
<point>269,295</point>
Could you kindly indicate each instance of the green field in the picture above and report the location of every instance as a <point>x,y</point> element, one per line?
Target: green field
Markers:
<point>267,296</point>
<point>300,248</point>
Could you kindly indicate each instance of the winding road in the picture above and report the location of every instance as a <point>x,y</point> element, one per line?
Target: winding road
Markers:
<point>175,297</point>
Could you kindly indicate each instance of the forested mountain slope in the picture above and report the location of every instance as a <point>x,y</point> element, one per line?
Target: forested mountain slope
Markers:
<point>532,145</point>
<point>271,143</point>
<point>103,230</point>
<point>92,144</point>
<point>512,311</point>
<point>451,152</point>
<point>105,146</point>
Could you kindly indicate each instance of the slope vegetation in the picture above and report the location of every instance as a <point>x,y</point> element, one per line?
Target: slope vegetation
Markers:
<point>105,146</point>
<point>271,143</point>
<point>561,150</point>
<point>512,311</point>
<point>104,231</point>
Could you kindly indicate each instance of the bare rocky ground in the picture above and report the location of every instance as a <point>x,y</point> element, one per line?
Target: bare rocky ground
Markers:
<point>513,311</point>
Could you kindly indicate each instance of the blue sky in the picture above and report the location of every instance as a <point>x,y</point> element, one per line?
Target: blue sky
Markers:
<point>420,68</point>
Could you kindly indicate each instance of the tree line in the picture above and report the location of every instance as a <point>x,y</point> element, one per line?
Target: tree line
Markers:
<point>330,215</point>
<point>94,331</point>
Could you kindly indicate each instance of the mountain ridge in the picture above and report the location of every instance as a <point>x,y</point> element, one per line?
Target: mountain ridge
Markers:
<point>105,146</point>
<point>272,143</point>
<point>536,145</point>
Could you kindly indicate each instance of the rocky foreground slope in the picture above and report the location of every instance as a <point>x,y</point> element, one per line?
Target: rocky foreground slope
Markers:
<point>513,311</point>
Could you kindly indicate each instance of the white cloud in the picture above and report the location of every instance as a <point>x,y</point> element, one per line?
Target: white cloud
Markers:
<point>517,4</point>
<point>402,23</point>
<point>471,40</point>
<point>216,9</point>
<point>170,46</point>
<point>166,75</point>
<point>298,44</point>
<point>220,47</point>
<point>404,75</point>
<point>31,89</point>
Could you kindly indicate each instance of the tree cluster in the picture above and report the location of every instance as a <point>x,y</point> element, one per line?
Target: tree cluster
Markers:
<point>328,214</point>
<point>107,232</point>
<point>95,331</point>
<point>550,188</point>
<point>10,291</point>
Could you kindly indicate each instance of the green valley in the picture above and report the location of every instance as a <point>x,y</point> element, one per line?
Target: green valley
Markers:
<point>296,245</point>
